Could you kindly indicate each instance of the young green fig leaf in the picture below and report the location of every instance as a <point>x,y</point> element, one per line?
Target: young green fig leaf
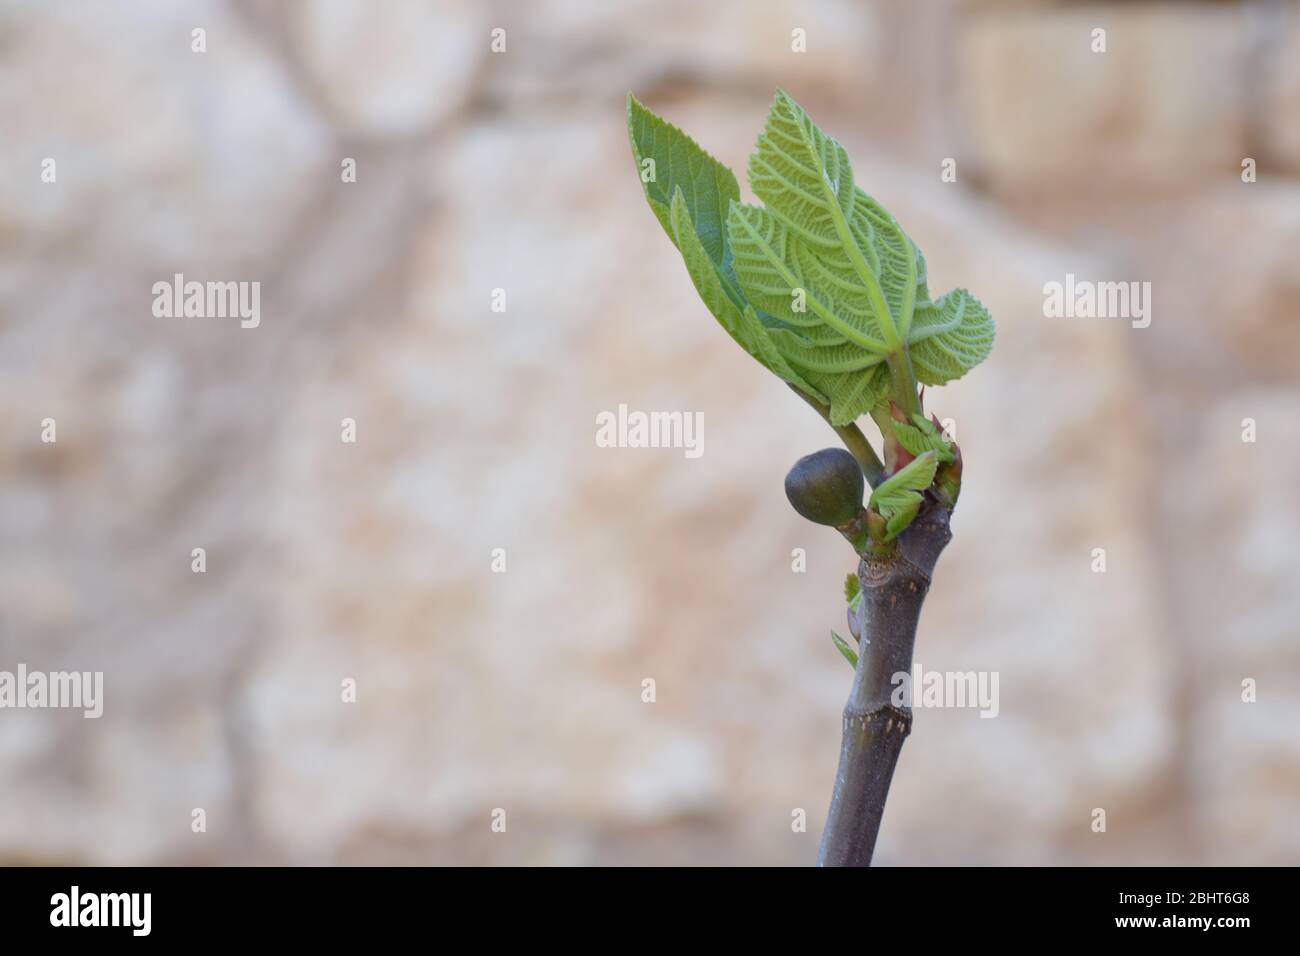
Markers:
<point>949,337</point>
<point>689,192</point>
<point>898,498</point>
<point>667,160</point>
<point>921,436</point>
<point>821,285</point>
<point>826,487</point>
<point>842,646</point>
<point>897,522</point>
<point>837,271</point>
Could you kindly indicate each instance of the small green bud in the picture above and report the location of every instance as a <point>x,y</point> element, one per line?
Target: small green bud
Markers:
<point>826,487</point>
<point>948,480</point>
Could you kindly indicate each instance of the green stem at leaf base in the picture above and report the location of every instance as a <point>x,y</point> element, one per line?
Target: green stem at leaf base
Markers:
<point>884,421</point>
<point>853,439</point>
<point>904,382</point>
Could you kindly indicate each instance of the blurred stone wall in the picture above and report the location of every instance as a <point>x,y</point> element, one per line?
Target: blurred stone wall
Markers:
<point>372,561</point>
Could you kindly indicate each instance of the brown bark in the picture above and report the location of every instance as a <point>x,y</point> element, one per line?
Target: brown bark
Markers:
<point>894,586</point>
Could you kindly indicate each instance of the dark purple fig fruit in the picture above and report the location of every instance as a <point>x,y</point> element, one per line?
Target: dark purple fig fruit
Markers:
<point>826,487</point>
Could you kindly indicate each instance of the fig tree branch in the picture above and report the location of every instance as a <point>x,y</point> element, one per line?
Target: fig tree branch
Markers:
<point>875,724</point>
